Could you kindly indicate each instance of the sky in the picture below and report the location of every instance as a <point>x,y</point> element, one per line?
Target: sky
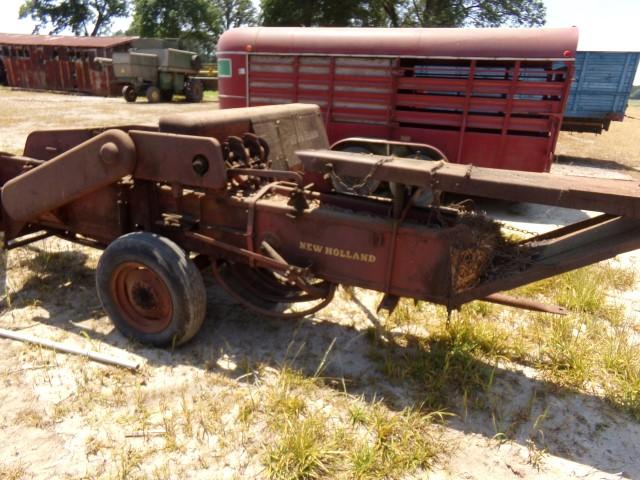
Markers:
<point>604,24</point>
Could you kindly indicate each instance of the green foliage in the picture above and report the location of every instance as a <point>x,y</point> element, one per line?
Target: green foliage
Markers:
<point>403,13</point>
<point>236,13</point>
<point>459,13</point>
<point>195,22</point>
<point>307,14</point>
<point>198,23</point>
<point>635,92</point>
<point>82,17</point>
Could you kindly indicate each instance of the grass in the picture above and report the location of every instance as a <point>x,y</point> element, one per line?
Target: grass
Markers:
<point>582,290</point>
<point>591,349</point>
<point>13,471</point>
<point>341,436</point>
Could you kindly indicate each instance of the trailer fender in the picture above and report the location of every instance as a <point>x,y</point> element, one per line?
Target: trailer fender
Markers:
<point>94,164</point>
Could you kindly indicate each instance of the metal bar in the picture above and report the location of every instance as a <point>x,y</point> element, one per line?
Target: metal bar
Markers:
<point>295,177</point>
<point>21,242</point>
<point>508,110</point>
<point>574,227</point>
<point>527,304</point>
<point>60,347</point>
<point>332,82</point>
<point>468,91</point>
<point>256,257</point>
<point>616,197</point>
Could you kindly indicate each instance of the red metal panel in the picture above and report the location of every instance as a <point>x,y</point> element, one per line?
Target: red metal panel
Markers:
<point>515,102</point>
<point>58,68</point>
<point>433,42</point>
<point>357,248</point>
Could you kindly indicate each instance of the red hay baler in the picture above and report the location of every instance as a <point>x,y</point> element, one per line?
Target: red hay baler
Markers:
<point>247,194</point>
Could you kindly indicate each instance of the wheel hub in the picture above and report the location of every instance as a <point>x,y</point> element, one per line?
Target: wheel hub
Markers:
<point>142,296</point>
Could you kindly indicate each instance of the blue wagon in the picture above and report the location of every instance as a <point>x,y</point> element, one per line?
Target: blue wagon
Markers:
<point>600,90</point>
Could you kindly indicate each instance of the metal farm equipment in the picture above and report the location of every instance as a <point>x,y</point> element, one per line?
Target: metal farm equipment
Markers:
<point>157,72</point>
<point>247,193</point>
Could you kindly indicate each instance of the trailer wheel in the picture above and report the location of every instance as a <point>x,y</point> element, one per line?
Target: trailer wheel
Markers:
<point>153,94</point>
<point>151,290</point>
<point>129,93</point>
<point>194,91</point>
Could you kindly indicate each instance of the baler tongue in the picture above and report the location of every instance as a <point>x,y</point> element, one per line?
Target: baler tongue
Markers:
<point>616,197</point>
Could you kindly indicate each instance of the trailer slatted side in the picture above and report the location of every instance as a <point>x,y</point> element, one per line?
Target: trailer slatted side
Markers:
<point>476,111</point>
<point>600,90</point>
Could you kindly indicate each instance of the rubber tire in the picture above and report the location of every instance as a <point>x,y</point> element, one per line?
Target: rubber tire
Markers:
<point>179,274</point>
<point>368,189</point>
<point>194,91</point>
<point>129,93</point>
<point>166,95</point>
<point>153,95</point>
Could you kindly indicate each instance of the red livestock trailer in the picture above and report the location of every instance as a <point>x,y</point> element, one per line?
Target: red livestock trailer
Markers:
<point>487,97</point>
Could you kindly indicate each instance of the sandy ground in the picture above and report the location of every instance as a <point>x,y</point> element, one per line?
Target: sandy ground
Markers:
<point>65,417</point>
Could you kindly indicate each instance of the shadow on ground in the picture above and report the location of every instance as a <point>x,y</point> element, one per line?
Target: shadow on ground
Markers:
<point>502,404</point>
<point>593,162</point>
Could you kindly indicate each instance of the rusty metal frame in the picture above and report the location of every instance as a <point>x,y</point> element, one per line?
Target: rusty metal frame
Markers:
<point>284,222</point>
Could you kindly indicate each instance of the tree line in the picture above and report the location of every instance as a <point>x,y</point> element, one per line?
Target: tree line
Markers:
<point>199,23</point>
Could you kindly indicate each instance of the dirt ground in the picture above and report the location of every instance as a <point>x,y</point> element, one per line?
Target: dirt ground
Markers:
<point>616,149</point>
<point>66,417</point>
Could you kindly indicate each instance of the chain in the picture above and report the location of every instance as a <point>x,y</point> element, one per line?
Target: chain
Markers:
<point>354,188</point>
<point>506,226</point>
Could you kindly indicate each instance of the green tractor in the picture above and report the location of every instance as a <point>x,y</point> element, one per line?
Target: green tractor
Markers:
<point>154,68</point>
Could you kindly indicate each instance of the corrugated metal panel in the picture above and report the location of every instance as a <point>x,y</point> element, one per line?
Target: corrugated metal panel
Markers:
<point>63,41</point>
<point>602,84</point>
<point>59,68</point>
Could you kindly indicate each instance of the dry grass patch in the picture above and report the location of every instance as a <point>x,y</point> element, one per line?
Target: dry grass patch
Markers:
<point>590,349</point>
<point>13,471</point>
<point>322,434</point>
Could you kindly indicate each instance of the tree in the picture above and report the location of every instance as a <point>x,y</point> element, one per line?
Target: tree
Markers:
<point>404,13</point>
<point>82,17</point>
<point>235,13</point>
<point>195,22</point>
<point>320,12</point>
<point>478,13</point>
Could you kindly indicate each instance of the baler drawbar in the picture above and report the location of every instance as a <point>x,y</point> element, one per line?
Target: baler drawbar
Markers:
<point>249,193</point>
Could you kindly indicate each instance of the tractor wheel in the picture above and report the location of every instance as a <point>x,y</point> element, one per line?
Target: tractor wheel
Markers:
<point>151,290</point>
<point>194,91</point>
<point>153,94</point>
<point>353,184</point>
<point>166,95</point>
<point>129,93</point>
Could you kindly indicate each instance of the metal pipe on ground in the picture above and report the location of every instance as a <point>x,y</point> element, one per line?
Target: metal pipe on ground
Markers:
<point>60,347</point>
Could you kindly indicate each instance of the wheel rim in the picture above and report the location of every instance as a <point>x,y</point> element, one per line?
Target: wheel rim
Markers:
<point>142,296</point>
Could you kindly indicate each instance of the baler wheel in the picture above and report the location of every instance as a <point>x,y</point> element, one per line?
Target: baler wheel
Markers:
<point>151,290</point>
<point>129,93</point>
<point>153,95</point>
